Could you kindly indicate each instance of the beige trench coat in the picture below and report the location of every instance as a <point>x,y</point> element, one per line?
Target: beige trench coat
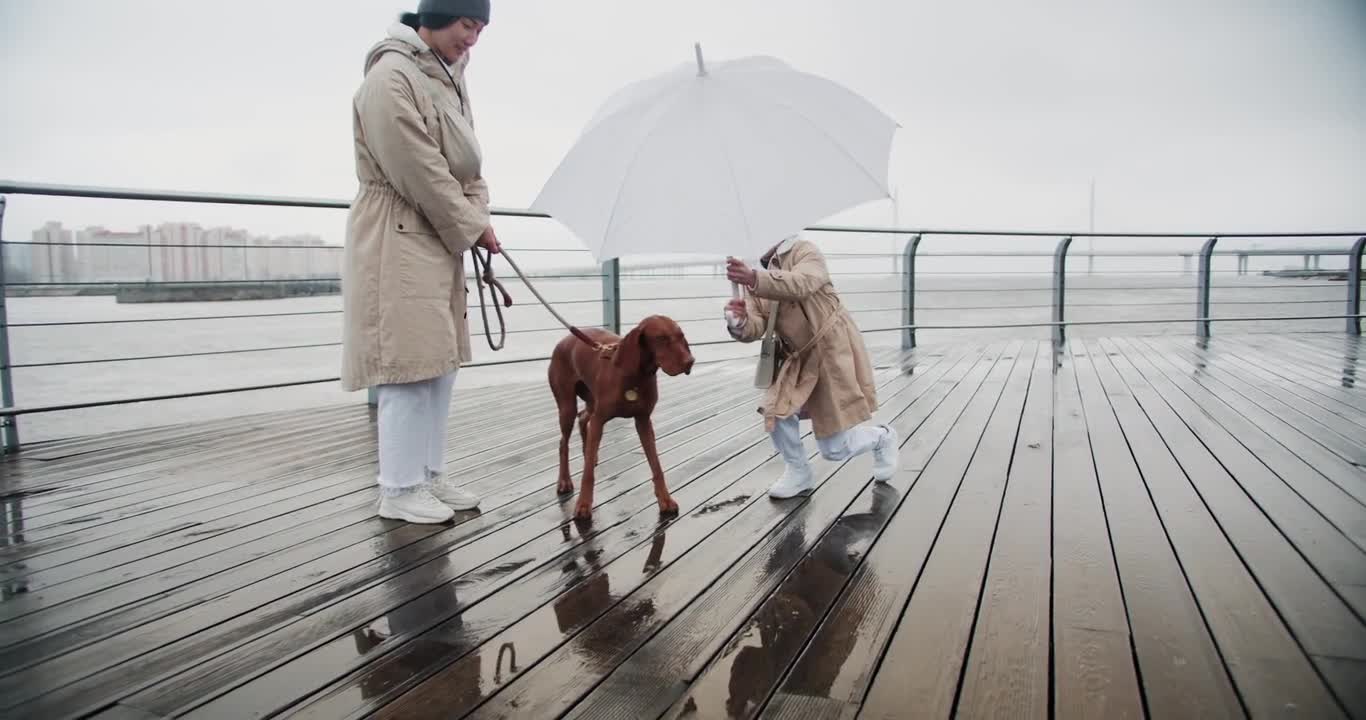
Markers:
<point>833,382</point>
<point>421,205</point>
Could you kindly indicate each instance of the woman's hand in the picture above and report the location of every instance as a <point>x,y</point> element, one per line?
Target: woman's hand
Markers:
<point>489,241</point>
<point>738,272</point>
<point>736,307</point>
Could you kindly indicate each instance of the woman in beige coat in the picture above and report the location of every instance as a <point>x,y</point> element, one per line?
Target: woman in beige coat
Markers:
<point>421,205</point>
<point>827,376</point>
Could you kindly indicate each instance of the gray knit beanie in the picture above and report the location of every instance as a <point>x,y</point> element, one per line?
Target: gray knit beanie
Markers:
<point>473,9</point>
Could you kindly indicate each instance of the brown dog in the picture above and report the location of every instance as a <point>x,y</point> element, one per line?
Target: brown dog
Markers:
<point>619,385</point>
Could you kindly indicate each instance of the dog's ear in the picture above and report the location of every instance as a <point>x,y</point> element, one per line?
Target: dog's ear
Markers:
<point>629,349</point>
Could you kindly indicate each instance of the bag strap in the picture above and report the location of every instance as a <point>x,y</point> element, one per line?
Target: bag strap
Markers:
<point>772,321</point>
<point>829,322</point>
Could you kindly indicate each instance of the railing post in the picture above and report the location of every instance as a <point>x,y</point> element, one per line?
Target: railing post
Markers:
<point>1354,287</point>
<point>1060,292</point>
<point>908,295</point>
<point>611,295</point>
<point>8,425</point>
<point>1203,283</point>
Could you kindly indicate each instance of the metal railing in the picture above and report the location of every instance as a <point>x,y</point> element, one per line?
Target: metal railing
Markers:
<point>612,298</point>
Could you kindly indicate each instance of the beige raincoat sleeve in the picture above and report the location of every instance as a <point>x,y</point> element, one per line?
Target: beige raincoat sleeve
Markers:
<point>414,164</point>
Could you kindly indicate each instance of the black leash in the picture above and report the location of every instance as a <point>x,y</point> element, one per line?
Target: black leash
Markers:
<point>483,273</point>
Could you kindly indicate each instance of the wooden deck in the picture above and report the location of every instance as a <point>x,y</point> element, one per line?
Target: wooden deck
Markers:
<point>1133,527</point>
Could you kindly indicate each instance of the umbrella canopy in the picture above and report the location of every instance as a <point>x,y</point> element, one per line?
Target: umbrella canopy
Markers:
<point>718,160</point>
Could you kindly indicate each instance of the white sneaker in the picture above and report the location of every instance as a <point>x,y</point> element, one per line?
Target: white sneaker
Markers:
<point>415,506</point>
<point>886,455</point>
<point>793,483</point>
<point>459,499</point>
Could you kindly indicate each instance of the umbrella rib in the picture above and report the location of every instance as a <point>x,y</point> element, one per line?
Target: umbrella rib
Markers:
<point>734,181</point>
<point>742,98</point>
<point>635,158</point>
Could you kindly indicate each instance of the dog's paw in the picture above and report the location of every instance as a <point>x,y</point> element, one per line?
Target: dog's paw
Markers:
<point>583,512</point>
<point>668,508</point>
<point>565,487</point>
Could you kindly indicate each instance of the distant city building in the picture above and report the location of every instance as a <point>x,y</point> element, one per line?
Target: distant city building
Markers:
<point>51,257</point>
<point>170,252</point>
<point>106,256</point>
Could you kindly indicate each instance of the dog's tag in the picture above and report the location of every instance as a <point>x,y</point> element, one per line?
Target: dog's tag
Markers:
<point>632,396</point>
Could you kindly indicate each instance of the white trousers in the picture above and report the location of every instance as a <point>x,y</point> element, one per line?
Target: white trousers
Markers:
<point>787,438</point>
<point>413,418</point>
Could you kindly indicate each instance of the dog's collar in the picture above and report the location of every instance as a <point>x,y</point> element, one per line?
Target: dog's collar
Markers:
<point>632,395</point>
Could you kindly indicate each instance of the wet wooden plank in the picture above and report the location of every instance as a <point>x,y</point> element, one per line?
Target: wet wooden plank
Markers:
<point>729,649</point>
<point>123,712</point>
<point>415,558</point>
<point>172,481</point>
<point>68,618</point>
<point>572,612</point>
<point>1181,672</point>
<point>1339,346</point>
<point>1339,417</point>
<point>925,654</point>
<point>204,543</point>
<point>1322,624</point>
<point>1294,368</point>
<point>1326,547</point>
<point>572,670</point>
<point>343,474</point>
<point>1093,663</point>
<point>1306,423</point>
<point>1326,481</point>
<point>1269,669</point>
<point>79,451</point>
<point>188,465</point>
<point>96,466</point>
<point>60,452</point>
<point>301,656</point>
<point>1008,661</point>
<point>855,630</point>
<point>721,491</point>
<point>174,467</point>
<point>1337,367</point>
<point>359,481</point>
<point>1350,676</point>
<point>470,636</point>
<point>1340,404</point>
<point>551,563</point>
<point>190,468</point>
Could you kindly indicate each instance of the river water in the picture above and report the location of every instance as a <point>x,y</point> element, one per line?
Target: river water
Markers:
<point>171,329</point>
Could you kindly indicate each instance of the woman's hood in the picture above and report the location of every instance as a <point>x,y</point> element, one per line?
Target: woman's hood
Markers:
<point>403,39</point>
<point>781,248</point>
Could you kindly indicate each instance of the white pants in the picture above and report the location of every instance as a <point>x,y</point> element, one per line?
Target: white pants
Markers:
<point>412,430</point>
<point>787,438</point>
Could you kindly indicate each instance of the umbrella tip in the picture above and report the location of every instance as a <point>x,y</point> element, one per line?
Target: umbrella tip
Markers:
<point>701,68</point>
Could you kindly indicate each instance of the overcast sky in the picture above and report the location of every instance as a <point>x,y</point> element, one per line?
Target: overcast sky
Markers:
<point>1189,114</point>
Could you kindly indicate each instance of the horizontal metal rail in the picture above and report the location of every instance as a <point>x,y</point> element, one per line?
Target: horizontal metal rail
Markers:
<point>1145,321</point>
<point>13,187</point>
<point>235,351</point>
<point>611,274</point>
<point>1097,253</point>
<point>16,411</point>
<point>144,246</point>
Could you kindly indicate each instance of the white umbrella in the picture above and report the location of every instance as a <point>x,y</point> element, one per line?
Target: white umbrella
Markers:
<point>726,159</point>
